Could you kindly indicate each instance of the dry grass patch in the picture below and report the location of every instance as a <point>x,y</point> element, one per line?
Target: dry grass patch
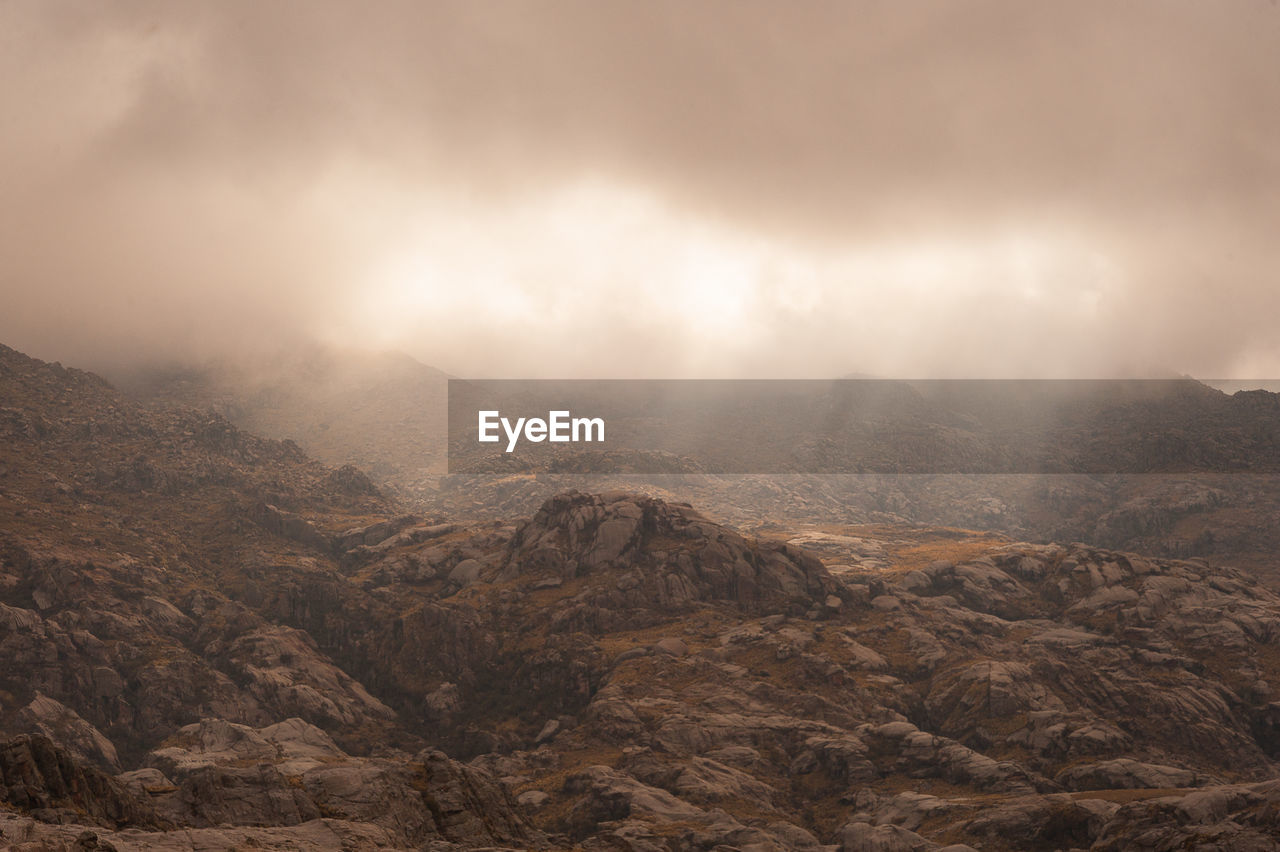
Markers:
<point>554,816</point>
<point>963,547</point>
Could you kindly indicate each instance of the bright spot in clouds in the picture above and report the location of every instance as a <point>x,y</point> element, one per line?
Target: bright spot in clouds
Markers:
<point>599,261</point>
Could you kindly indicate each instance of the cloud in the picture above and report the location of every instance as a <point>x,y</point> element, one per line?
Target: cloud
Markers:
<point>722,188</point>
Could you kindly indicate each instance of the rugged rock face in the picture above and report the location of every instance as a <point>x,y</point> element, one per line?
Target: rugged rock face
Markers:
<point>41,778</point>
<point>661,559</point>
<point>218,773</point>
<point>63,725</point>
<point>208,640</point>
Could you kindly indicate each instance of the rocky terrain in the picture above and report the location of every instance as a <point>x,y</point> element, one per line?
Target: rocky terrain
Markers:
<point>210,641</point>
<point>1226,517</point>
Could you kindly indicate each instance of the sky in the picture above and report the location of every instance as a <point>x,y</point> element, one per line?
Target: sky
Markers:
<point>959,188</point>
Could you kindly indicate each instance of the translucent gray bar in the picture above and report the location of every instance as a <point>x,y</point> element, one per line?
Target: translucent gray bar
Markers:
<point>860,426</point>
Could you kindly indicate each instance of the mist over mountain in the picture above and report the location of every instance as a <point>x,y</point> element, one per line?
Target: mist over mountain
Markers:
<point>1170,468</point>
<point>381,411</point>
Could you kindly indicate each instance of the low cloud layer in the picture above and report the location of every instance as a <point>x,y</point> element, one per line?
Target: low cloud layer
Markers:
<point>648,189</point>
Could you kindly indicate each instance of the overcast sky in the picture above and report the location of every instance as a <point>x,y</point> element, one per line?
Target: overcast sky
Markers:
<point>654,189</point>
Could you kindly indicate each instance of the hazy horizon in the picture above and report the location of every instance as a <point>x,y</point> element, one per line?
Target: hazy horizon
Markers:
<point>936,189</point>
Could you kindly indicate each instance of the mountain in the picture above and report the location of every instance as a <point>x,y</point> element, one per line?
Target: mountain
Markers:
<point>1171,467</point>
<point>137,549</point>
<point>210,640</point>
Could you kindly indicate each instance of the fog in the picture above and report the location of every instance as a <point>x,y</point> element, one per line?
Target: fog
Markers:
<point>556,189</point>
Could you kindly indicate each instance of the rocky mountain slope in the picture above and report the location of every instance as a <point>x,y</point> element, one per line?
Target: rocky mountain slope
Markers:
<point>208,640</point>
